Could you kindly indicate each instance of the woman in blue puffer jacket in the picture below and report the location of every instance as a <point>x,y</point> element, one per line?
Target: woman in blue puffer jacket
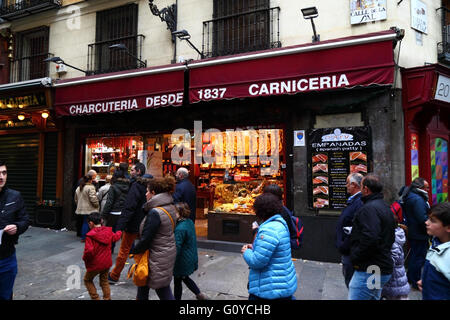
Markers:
<point>272,272</point>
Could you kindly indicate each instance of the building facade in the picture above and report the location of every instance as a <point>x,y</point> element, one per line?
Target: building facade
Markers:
<point>243,93</point>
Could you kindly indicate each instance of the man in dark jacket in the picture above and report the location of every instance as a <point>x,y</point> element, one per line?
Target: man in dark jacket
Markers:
<point>372,236</point>
<point>13,222</point>
<point>345,222</point>
<point>130,218</point>
<point>185,191</point>
<point>416,207</point>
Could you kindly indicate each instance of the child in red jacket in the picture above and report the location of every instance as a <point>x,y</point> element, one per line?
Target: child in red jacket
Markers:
<point>97,255</point>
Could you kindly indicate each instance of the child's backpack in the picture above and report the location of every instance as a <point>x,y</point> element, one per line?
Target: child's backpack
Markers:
<point>297,238</point>
<point>397,210</point>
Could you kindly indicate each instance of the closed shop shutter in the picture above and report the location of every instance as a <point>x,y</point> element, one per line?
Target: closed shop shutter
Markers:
<point>50,164</point>
<point>21,155</point>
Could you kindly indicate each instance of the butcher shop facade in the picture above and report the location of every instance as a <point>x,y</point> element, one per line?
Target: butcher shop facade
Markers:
<point>241,122</point>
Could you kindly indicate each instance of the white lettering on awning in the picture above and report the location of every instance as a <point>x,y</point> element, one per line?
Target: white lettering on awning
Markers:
<point>300,85</point>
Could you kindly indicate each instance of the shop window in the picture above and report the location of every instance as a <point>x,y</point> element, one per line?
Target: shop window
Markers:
<point>29,53</point>
<point>105,153</point>
<point>241,26</point>
<point>439,170</point>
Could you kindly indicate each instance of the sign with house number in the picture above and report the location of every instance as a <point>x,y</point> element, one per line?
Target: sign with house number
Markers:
<point>443,89</point>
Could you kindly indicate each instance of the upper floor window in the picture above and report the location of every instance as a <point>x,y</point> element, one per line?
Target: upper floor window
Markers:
<point>116,26</point>
<point>241,26</point>
<point>31,48</point>
<point>444,46</point>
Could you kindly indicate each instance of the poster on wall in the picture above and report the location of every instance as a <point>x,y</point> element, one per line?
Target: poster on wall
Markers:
<point>414,156</point>
<point>419,20</point>
<point>334,153</point>
<point>362,11</point>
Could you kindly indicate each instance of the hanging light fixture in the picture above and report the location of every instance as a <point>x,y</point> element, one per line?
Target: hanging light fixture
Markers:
<point>44,114</point>
<point>21,117</point>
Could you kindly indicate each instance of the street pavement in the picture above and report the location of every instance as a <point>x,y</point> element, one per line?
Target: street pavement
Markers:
<point>50,268</point>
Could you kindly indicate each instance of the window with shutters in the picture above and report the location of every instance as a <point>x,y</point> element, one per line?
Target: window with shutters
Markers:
<point>116,26</point>
<point>30,50</point>
<point>241,26</point>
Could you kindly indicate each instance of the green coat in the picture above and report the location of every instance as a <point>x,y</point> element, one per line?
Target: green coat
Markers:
<point>187,257</point>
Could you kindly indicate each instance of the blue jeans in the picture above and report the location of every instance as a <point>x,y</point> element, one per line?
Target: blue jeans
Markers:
<point>416,260</point>
<point>347,269</point>
<point>8,272</point>
<point>84,228</point>
<point>362,286</point>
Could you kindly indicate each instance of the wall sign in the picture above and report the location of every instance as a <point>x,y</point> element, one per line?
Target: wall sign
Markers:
<point>419,16</point>
<point>362,11</point>
<point>334,153</point>
<point>299,138</point>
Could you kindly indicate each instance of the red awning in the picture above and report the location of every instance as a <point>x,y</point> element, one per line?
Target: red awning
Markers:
<point>342,63</point>
<point>123,91</point>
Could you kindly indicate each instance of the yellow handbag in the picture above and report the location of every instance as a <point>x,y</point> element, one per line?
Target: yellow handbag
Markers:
<point>139,269</point>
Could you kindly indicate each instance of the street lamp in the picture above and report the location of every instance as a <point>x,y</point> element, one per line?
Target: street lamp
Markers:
<point>122,47</point>
<point>58,60</point>
<point>311,13</point>
<point>184,35</point>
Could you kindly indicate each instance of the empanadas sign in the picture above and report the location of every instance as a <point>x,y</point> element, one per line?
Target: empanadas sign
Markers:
<point>333,154</point>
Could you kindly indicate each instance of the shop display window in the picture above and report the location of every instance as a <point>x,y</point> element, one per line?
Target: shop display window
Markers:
<point>104,153</point>
<point>248,162</point>
<point>439,170</point>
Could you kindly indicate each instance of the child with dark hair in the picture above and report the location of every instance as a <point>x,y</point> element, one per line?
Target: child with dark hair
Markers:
<point>187,258</point>
<point>435,282</point>
<point>97,255</point>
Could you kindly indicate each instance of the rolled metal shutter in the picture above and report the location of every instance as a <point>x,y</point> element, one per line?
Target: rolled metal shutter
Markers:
<point>21,155</point>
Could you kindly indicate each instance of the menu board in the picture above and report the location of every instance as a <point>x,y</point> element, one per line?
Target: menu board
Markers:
<point>334,153</point>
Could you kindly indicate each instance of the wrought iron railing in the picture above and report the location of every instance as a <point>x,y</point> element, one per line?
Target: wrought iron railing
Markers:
<point>29,68</point>
<point>103,59</point>
<point>242,32</point>
<point>10,7</point>
<point>444,46</point>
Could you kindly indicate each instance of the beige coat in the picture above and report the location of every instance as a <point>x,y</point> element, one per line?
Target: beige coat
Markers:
<point>86,200</point>
<point>163,250</point>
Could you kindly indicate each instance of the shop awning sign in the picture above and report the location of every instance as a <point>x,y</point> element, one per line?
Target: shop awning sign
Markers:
<point>337,64</point>
<point>151,88</point>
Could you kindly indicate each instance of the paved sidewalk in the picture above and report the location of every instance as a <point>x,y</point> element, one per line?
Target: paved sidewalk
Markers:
<point>50,267</point>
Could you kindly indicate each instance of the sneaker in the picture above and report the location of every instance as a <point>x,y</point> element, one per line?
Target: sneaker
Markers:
<point>202,296</point>
<point>111,280</point>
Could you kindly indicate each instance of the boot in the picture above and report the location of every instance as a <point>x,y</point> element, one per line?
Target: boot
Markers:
<point>202,296</point>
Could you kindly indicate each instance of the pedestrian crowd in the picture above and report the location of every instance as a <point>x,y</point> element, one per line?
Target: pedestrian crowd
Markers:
<point>156,216</point>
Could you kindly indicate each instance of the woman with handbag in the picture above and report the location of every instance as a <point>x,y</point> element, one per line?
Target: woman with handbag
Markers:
<point>156,234</point>
<point>86,200</point>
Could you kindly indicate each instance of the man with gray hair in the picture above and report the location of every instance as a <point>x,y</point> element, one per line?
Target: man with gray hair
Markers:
<point>344,224</point>
<point>185,191</point>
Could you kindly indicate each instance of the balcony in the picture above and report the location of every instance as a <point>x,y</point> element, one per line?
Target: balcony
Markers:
<point>242,32</point>
<point>444,46</point>
<point>14,9</point>
<point>102,59</point>
<point>29,68</point>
